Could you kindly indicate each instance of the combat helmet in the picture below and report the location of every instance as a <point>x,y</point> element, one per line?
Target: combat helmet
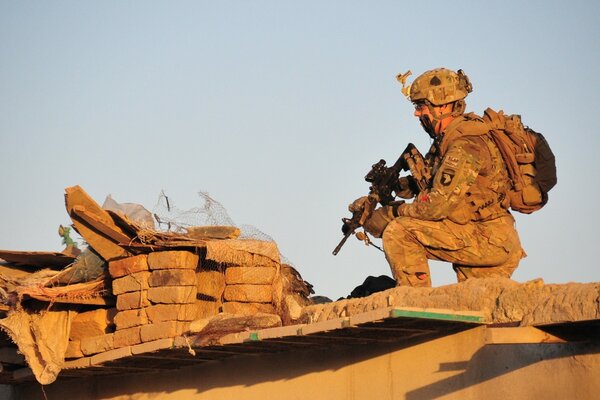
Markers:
<point>438,86</point>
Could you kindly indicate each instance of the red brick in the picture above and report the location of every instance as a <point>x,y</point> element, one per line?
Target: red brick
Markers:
<point>172,277</point>
<point>129,265</point>
<point>128,301</point>
<point>97,344</point>
<point>172,294</point>
<point>172,260</point>
<point>131,283</point>
<point>130,318</point>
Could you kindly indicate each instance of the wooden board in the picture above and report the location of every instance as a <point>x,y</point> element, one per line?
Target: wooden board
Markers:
<point>37,259</point>
<point>94,224</point>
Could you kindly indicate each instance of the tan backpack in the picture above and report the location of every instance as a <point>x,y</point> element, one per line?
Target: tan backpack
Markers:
<point>528,157</point>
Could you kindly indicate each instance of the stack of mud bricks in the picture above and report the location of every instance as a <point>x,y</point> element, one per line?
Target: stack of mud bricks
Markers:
<point>156,296</point>
<point>91,333</point>
<point>236,289</point>
<point>249,288</point>
<point>210,280</point>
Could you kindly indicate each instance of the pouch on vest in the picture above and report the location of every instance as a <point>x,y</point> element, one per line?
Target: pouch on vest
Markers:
<point>529,160</point>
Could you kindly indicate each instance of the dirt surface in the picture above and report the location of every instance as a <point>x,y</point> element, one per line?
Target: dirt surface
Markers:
<point>499,299</point>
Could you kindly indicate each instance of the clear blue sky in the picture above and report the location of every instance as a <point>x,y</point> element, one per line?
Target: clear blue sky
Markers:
<point>279,108</point>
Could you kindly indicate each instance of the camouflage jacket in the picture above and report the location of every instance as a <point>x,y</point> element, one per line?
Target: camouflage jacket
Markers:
<point>469,181</point>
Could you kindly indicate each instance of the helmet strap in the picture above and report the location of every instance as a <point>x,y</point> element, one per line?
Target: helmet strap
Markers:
<point>428,125</point>
<point>458,108</point>
<point>437,119</point>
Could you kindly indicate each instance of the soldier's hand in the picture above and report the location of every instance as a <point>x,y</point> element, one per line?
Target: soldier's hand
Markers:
<point>378,221</point>
<point>358,204</point>
<point>405,187</point>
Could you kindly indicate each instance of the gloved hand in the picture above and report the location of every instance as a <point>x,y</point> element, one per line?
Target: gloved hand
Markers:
<point>358,204</point>
<point>381,217</point>
<point>378,221</point>
<point>405,187</point>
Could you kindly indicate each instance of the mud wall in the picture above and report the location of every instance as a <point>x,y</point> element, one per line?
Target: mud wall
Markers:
<point>459,366</point>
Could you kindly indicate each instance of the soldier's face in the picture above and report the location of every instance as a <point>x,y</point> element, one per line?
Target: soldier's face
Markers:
<point>421,109</point>
<point>430,121</point>
<point>425,118</point>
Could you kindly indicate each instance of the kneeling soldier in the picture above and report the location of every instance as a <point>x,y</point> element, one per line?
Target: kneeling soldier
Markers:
<point>462,215</point>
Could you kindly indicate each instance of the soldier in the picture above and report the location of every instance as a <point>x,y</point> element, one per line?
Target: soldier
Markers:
<point>462,216</point>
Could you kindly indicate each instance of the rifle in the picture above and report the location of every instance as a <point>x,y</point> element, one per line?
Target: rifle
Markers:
<point>385,184</point>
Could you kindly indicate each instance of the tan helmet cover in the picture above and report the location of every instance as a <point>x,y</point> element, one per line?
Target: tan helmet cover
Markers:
<point>440,86</point>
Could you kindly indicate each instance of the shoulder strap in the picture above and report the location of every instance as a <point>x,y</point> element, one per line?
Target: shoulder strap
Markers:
<point>495,120</point>
<point>467,125</point>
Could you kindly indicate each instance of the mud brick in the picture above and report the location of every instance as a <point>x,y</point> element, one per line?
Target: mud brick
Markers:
<point>79,363</point>
<point>263,261</point>
<point>183,327</point>
<point>210,283</point>
<point>236,307</point>
<point>187,312</point>
<point>111,312</point>
<point>250,275</point>
<point>97,344</point>
<point>129,318</point>
<point>131,283</point>
<point>205,309</point>
<point>172,294</point>
<point>172,277</point>
<point>150,347</point>
<point>74,349</point>
<point>249,293</point>
<point>110,355</point>
<point>129,301</point>
<point>162,330</point>
<point>173,260</point>
<point>127,337</point>
<point>129,265</point>
<point>90,323</point>
<point>171,312</point>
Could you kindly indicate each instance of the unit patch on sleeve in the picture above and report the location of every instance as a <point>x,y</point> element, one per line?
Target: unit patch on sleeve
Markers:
<point>451,161</point>
<point>447,176</point>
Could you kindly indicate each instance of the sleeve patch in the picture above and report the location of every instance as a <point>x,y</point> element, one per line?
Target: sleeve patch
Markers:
<point>451,161</point>
<point>447,176</point>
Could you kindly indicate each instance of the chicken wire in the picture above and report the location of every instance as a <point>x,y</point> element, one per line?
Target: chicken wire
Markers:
<point>170,218</point>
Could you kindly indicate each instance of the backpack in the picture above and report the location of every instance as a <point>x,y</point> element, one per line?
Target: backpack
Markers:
<point>529,160</point>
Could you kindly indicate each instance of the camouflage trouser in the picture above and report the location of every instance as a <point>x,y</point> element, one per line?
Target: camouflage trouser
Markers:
<point>476,250</point>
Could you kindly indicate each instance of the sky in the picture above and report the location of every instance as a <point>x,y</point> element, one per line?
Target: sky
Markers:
<point>278,109</point>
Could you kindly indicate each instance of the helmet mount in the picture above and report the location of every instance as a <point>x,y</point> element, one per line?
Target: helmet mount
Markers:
<point>438,86</point>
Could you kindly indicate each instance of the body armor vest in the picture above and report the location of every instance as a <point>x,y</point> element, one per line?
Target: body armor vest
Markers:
<point>487,197</point>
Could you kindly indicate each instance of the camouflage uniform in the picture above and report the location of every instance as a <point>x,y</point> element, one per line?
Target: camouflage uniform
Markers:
<point>462,217</point>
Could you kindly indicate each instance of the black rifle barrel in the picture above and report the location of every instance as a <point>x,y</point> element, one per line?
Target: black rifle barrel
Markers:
<point>339,246</point>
